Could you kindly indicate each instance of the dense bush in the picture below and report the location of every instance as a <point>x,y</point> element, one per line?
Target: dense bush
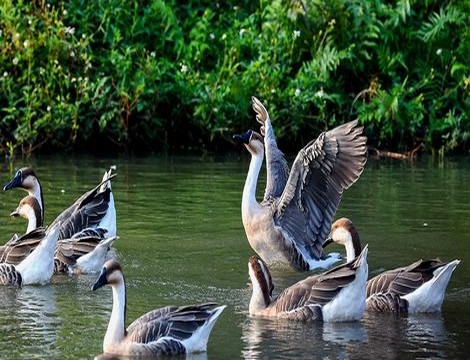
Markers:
<point>167,75</point>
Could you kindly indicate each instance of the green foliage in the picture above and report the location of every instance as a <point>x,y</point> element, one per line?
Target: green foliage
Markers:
<point>158,75</point>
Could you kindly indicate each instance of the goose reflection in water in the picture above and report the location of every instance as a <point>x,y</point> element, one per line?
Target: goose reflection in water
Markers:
<point>273,338</point>
<point>424,334</point>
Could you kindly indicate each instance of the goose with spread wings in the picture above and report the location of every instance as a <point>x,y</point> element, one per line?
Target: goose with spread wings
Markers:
<point>290,225</point>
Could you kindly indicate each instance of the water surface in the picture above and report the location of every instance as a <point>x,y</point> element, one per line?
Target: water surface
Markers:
<point>182,241</point>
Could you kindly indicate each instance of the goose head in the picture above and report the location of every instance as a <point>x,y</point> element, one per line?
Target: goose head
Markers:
<point>262,284</point>
<point>25,178</point>
<point>29,209</point>
<point>111,274</point>
<point>344,233</point>
<point>252,140</point>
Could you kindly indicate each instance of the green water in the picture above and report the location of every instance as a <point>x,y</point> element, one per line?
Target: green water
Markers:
<point>182,241</point>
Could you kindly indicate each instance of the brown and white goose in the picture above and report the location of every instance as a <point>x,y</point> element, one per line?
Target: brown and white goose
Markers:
<point>290,225</point>
<point>336,295</point>
<point>85,253</point>
<point>94,209</point>
<point>419,287</point>
<point>171,330</point>
<point>37,267</point>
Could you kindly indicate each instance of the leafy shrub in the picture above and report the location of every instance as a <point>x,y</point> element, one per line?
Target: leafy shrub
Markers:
<point>168,75</point>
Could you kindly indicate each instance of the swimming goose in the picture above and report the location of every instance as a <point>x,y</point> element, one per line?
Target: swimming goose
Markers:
<point>37,267</point>
<point>290,225</point>
<point>94,209</point>
<point>336,295</point>
<point>86,252</point>
<point>419,287</point>
<point>170,330</point>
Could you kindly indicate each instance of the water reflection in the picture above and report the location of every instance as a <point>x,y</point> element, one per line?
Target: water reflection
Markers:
<point>274,338</point>
<point>29,313</point>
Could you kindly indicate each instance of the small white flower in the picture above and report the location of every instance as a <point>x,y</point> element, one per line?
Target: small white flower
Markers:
<point>83,36</point>
<point>320,93</point>
<point>89,66</point>
<point>5,74</point>
<point>152,54</point>
<point>74,79</point>
<point>69,30</point>
<point>48,108</point>
<point>438,52</point>
<point>212,36</point>
<point>72,54</point>
<point>56,62</point>
<point>332,22</point>
<point>297,92</point>
<point>48,5</point>
<point>15,61</point>
<point>25,43</point>
<point>30,22</point>
<point>184,68</point>
<point>296,33</point>
<point>215,110</point>
<point>64,12</point>
<point>241,32</point>
<point>224,36</point>
<point>42,71</point>
<point>273,91</point>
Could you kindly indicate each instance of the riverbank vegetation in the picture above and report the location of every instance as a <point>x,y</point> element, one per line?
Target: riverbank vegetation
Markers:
<point>169,75</point>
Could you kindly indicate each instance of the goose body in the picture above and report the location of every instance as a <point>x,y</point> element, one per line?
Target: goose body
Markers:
<point>37,267</point>
<point>94,209</point>
<point>290,225</point>
<point>86,252</point>
<point>171,330</point>
<point>336,295</point>
<point>416,288</point>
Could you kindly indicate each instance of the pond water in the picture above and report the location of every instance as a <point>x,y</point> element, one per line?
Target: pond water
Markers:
<point>182,241</point>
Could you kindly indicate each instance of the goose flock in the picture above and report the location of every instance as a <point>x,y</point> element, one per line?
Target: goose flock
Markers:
<point>289,228</point>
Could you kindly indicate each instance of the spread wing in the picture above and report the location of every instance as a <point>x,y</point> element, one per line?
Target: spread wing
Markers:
<point>86,212</point>
<point>277,170</point>
<point>69,250</point>
<point>322,170</point>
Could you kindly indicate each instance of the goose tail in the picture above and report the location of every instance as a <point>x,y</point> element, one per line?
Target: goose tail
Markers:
<point>198,341</point>
<point>429,296</point>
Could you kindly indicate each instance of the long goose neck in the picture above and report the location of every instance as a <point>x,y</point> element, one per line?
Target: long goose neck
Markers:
<point>116,326</point>
<point>249,190</point>
<point>36,192</point>
<point>353,245</point>
<point>34,219</point>
<point>261,295</point>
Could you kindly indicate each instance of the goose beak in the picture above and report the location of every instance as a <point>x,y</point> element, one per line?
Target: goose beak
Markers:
<point>102,280</point>
<point>328,241</point>
<point>243,138</point>
<point>15,182</point>
<point>15,213</point>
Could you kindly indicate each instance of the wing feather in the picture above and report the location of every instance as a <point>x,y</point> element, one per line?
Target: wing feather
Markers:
<point>322,170</point>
